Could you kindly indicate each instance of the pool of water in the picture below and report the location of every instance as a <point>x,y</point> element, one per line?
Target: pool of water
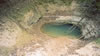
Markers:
<point>56,30</point>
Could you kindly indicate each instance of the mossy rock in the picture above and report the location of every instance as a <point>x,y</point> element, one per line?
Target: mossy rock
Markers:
<point>98,5</point>
<point>97,41</point>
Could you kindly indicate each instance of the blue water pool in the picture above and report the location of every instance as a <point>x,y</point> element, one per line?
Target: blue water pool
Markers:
<point>60,30</point>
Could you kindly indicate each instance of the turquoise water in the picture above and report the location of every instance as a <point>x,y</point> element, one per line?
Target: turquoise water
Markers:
<point>60,30</point>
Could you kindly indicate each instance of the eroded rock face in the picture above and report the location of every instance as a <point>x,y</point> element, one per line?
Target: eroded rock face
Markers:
<point>53,47</point>
<point>89,28</point>
<point>9,31</point>
<point>59,47</point>
<point>90,48</point>
<point>23,14</point>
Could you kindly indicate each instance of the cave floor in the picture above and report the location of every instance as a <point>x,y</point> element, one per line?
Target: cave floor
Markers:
<point>33,42</point>
<point>40,44</point>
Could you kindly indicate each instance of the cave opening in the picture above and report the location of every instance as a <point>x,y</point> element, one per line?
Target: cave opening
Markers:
<point>60,29</point>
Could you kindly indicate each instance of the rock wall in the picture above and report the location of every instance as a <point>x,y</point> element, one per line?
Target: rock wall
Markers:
<point>89,28</point>
<point>9,31</point>
<point>24,13</point>
<point>18,16</point>
<point>85,15</point>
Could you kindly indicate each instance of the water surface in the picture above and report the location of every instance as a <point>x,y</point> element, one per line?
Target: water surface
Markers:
<point>56,30</point>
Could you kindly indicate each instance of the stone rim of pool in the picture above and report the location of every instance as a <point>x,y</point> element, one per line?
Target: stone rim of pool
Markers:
<point>59,27</point>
